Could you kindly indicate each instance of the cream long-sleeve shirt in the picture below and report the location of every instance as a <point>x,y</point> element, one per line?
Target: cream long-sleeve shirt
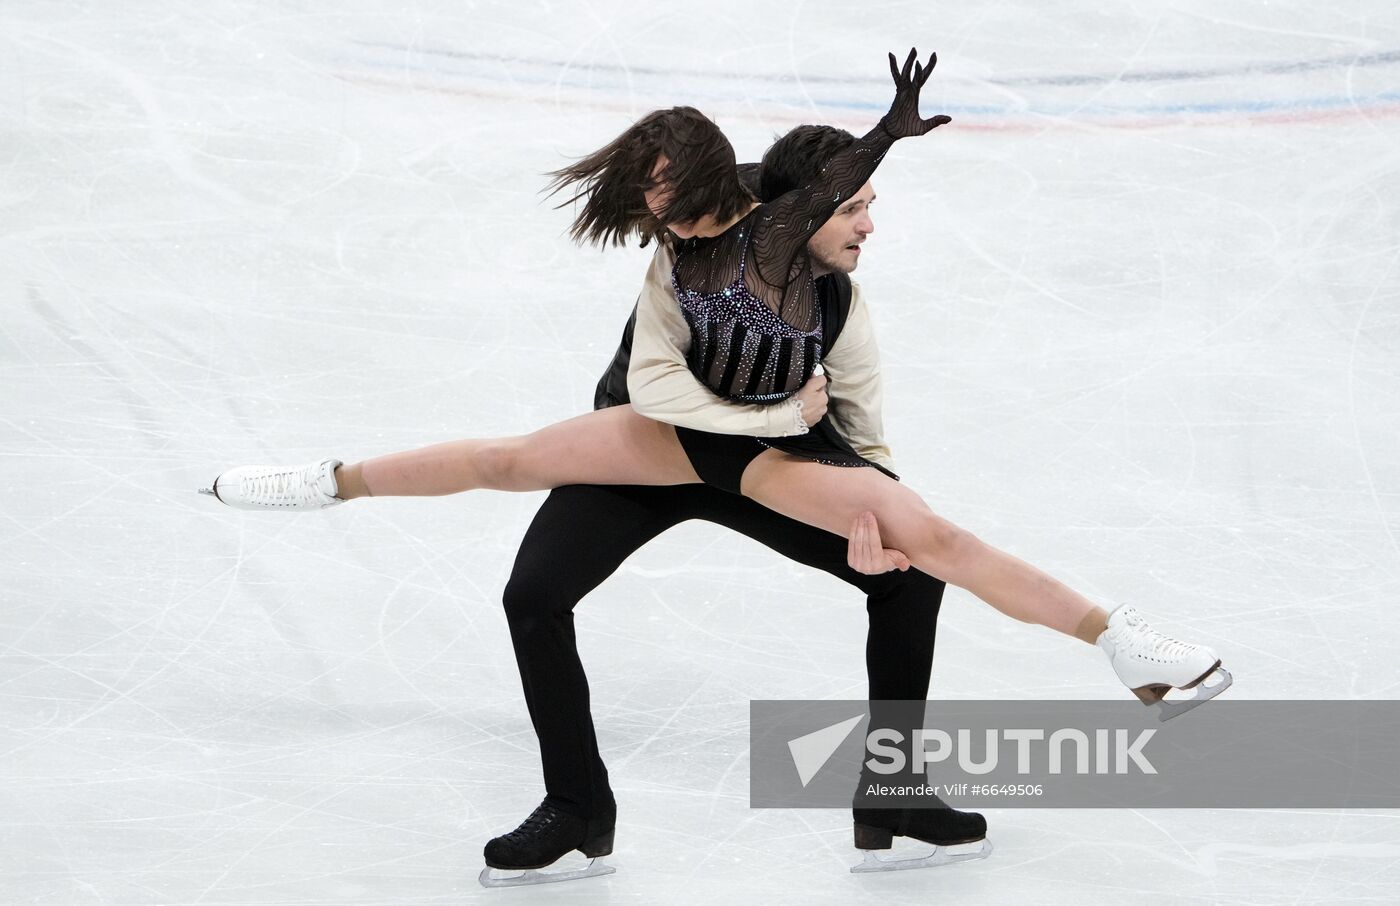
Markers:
<point>662,386</point>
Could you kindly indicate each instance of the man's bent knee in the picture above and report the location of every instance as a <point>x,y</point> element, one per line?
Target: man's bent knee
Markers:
<point>534,595</point>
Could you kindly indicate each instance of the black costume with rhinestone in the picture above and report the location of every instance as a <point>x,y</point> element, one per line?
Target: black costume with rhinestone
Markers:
<point>748,293</point>
<point>756,316</point>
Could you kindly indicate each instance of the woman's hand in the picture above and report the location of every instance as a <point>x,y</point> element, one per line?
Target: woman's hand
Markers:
<point>903,119</point>
<point>812,396</point>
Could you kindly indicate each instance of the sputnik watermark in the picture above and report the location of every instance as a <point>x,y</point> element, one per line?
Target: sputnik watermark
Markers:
<point>935,747</point>
<point>1073,754</point>
<point>1035,751</point>
<point>811,751</point>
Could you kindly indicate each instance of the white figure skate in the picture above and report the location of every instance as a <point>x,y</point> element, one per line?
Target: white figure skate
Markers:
<point>308,487</point>
<point>1152,664</point>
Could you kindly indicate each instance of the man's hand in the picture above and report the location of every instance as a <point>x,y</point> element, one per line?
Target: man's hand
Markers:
<point>813,399</point>
<point>866,555</point>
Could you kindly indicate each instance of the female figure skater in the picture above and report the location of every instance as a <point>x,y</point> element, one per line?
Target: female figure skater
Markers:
<point>743,277</point>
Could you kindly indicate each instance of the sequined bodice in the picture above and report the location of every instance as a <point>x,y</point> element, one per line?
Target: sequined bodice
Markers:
<point>740,347</point>
<point>748,294</point>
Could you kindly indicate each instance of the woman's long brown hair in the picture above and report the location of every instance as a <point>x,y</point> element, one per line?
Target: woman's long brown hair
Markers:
<point>613,180</point>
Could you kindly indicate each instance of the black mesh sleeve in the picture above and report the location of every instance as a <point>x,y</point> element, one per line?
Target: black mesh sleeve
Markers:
<point>781,230</point>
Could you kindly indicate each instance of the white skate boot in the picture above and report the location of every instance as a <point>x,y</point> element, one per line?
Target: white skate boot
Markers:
<point>1152,664</point>
<point>308,487</point>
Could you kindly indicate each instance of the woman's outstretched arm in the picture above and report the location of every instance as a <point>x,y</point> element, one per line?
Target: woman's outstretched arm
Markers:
<point>782,227</point>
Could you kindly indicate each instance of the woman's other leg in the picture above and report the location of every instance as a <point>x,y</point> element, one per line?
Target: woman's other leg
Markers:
<point>609,446</point>
<point>830,497</point>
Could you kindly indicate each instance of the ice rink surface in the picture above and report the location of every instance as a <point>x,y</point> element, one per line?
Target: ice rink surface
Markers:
<point>1138,311</point>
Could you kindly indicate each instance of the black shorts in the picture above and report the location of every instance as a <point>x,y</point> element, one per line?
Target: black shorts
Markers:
<point>720,459</point>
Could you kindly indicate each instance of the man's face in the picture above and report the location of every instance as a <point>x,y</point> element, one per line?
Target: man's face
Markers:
<point>836,246</point>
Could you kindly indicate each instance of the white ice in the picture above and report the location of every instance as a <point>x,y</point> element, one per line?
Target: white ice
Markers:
<point>1138,313</point>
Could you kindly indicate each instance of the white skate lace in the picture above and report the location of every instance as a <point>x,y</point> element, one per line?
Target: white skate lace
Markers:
<point>284,487</point>
<point>1145,640</point>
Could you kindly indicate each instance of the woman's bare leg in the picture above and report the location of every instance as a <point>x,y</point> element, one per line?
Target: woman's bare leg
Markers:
<point>609,446</point>
<point>831,498</point>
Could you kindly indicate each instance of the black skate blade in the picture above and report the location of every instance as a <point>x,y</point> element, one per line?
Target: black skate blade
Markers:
<point>941,855</point>
<point>1166,709</point>
<point>209,491</point>
<point>505,877</point>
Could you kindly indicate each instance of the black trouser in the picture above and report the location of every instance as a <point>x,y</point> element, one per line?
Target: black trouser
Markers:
<point>583,533</point>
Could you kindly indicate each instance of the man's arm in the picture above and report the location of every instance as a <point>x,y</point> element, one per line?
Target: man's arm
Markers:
<point>661,384</point>
<point>857,395</point>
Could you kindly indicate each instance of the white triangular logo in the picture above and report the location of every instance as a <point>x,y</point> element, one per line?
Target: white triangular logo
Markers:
<point>812,751</point>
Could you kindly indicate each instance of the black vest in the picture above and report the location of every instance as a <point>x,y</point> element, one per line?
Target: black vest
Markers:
<point>834,291</point>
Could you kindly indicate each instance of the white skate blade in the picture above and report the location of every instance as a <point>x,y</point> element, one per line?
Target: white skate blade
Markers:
<point>941,855</point>
<point>517,878</point>
<point>1166,710</point>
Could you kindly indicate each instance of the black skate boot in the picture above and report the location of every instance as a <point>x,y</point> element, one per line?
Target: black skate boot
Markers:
<point>541,840</point>
<point>876,828</point>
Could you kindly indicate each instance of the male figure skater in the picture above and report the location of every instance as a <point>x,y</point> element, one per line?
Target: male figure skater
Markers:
<point>583,533</point>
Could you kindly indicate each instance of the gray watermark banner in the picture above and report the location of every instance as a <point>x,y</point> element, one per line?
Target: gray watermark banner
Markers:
<point>1073,754</point>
